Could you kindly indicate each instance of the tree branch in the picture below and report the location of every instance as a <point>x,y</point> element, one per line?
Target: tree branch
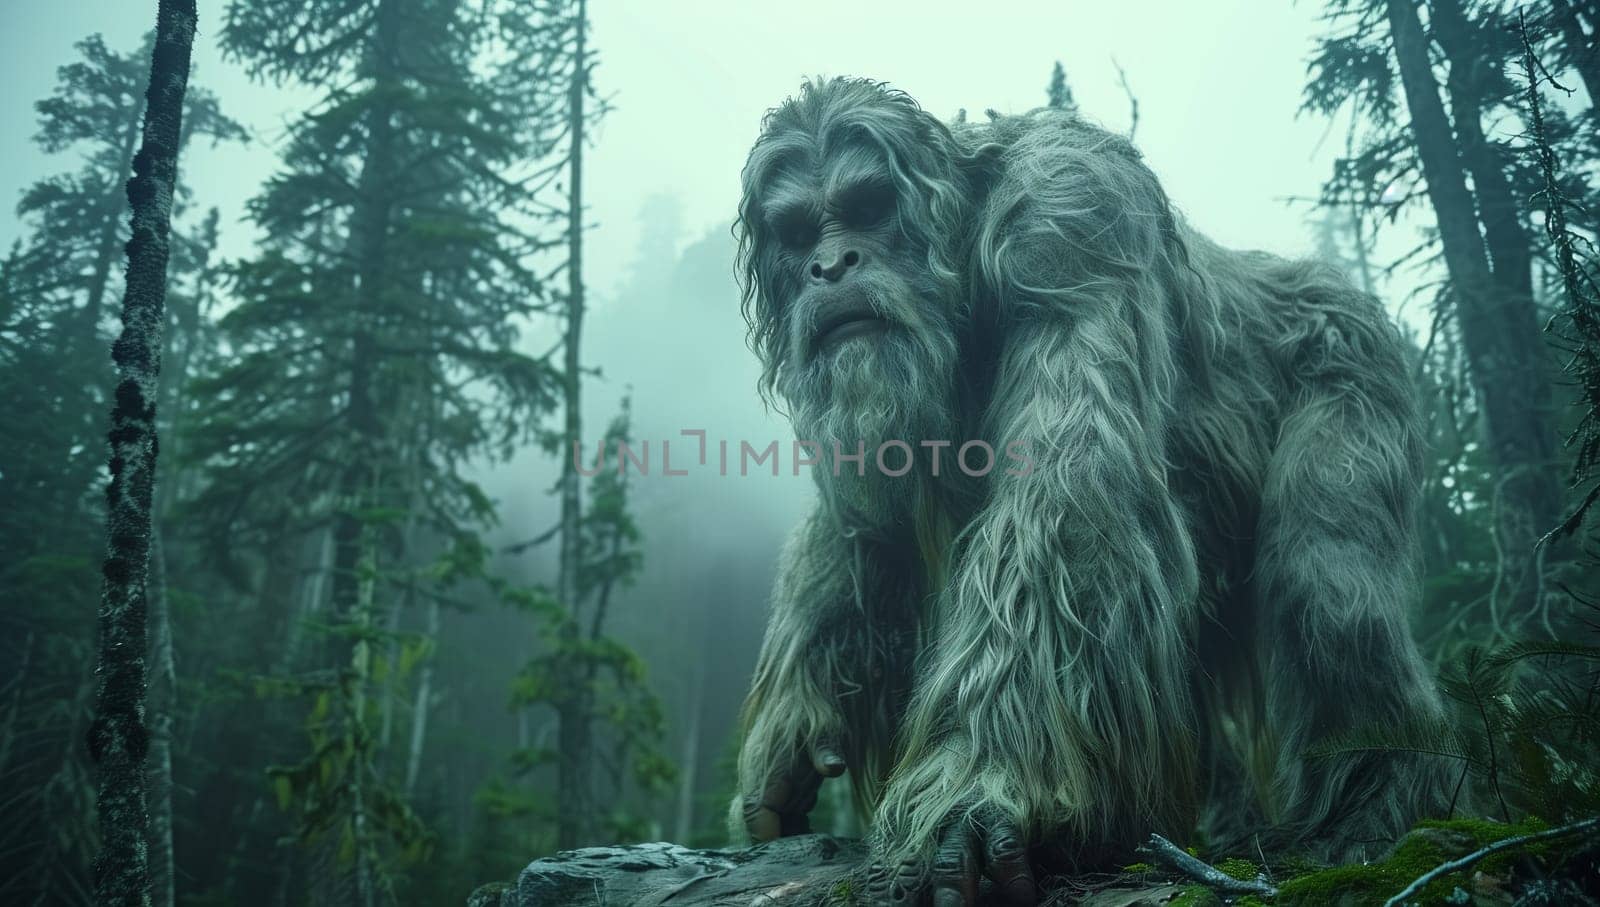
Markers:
<point>1178,860</point>
<point>1444,869</point>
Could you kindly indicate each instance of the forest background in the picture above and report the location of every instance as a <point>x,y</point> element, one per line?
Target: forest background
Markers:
<point>387,627</point>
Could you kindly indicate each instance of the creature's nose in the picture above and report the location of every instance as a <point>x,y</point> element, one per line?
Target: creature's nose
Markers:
<point>832,268</point>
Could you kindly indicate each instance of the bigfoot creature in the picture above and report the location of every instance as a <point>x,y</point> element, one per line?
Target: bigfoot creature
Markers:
<point>1203,569</point>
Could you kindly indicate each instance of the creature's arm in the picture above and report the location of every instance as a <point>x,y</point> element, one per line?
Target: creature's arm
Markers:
<point>819,701</point>
<point>1054,700</point>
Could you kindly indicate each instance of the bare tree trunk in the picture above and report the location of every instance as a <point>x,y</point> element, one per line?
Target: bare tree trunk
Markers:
<point>361,668</point>
<point>353,558</point>
<point>424,703</point>
<point>312,591</point>
<point>117,739</point>
<point>688,776</point>
<point>575,803</point>
<point>372,215</point>
<point>1530,503</point>
<point>163,700</point>
<point>388,690</point>
<point>1499,328</point>
<point>407,602</point>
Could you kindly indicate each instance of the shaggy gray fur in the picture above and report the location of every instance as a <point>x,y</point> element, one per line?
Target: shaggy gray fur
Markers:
<point>1208,570</point>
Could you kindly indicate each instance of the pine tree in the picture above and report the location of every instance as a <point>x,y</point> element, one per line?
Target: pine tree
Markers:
<point>373,353</point>
<point>1577,321</point>
<point>1059,94</point>
<point>587,676</point>
<point>575,813</point>
<point>1452,76</point>
<point>53,336</point>
<point>61,277</point>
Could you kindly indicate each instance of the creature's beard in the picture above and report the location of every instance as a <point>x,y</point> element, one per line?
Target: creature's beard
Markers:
<point>895,384</point>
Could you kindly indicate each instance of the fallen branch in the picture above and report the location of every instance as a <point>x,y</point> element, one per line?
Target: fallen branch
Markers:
<point>1444,869</point>
<point>1178,860</point>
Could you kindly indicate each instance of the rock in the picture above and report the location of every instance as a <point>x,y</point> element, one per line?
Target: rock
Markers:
<point>801,871</point>
<point>1140,895</point>
<point>798,870</point>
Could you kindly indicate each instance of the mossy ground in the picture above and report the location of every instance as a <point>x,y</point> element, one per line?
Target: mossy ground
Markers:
<point>1417,854</point>
<point>1244,870</point>
<point>1304,884</point>
<point>1195,896</point>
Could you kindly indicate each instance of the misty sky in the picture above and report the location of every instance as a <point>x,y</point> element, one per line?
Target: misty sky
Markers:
<point>1218,85</point>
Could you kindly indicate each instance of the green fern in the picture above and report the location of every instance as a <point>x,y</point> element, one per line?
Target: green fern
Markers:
<point>1520,651</point>
<point>1427,738</point>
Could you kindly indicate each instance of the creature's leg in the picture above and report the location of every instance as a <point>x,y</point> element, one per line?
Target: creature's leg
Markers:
<point>825,696</point>
<point>1228,704</point>
<point>1336,571</point>
<point>1053,705</point>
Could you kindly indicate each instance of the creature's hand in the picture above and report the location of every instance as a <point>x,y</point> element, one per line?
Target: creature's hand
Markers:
<point>788,793</point>
<point>972,845</point>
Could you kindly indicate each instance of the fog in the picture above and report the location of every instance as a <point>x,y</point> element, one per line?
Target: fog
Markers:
<point>1217,88</point>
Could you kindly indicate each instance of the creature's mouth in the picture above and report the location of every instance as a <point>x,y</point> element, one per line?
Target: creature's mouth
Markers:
<point>840,326</point>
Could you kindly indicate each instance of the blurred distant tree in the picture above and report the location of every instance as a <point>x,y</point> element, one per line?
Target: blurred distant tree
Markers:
<point>1577,322</point>
<point>583,667</point>
<point>1059,94</point>
<point>568,26</point>
<point>187,340</point>
<point>1449,147</point>
<point>61,275</point>
<point>549,39</point>
<point>373,355</point>
<point>54,332</point>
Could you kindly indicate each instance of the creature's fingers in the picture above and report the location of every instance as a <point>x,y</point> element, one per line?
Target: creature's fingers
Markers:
<point>826,757</point>
<point>763,813</point>
<point>955,867</point>
<point>1005,861</point>
<point>762,822</point>
<point>892,883</point>
<point>795,814</point>
<point>781,807</point>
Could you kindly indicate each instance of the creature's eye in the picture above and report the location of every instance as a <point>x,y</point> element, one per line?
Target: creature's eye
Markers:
<point>797,233</point>
<point>869,205</point>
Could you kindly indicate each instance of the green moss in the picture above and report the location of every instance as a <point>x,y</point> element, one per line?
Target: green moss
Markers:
<point>1485,832</point>
<point>1195,896</point>
<point>1138,868</point>
<point>1243,870</point>
<point>843,892</point>
<point>1292,865</point>
<point>1420,851</point>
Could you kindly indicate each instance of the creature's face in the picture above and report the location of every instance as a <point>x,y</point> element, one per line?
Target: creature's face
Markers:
<point>841,256</point>
<point>849,205</point>
<point>855,308</point>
